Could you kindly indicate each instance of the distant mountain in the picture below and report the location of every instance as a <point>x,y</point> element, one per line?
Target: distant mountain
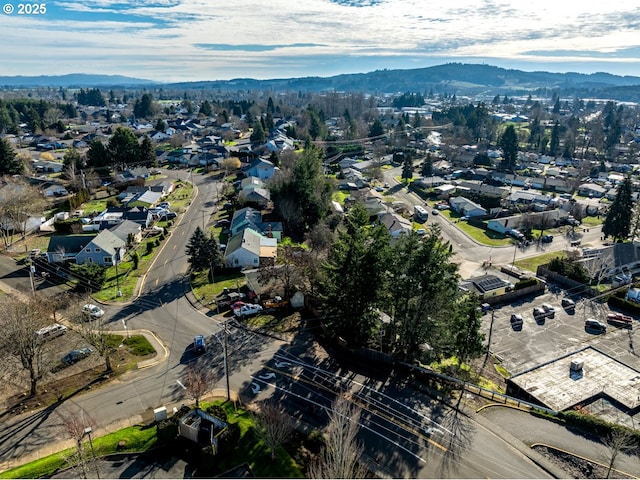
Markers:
<point>73,80</point>
<point>453,78</point>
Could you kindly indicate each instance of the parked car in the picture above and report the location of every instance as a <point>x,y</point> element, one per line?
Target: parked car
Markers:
<point>442,206</point>
<point>516,321</point>
<point>549,310</point>
<point>199,344</point>
<point>274,303</point>
<point>421,232</point>
<point>76,355</point>
<point>165,205</point>
<point>92,310</point>
<point>168,216</point>
<point>247,309</point>
<point>223,222</point>
<point>539,313</point>
<point>547,238</point>
<point>568,304</point>
<point>591,325</point>
<point>619,320</point>
<point>435,212</point>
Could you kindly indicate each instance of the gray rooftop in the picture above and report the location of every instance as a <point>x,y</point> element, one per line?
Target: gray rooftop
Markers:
<point>556,386</point>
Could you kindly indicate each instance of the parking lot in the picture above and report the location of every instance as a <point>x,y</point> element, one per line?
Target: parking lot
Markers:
<point>538,342</point>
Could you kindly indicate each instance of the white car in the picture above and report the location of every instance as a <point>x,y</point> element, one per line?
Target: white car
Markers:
<point>92,310</point>
<point>247,310</point>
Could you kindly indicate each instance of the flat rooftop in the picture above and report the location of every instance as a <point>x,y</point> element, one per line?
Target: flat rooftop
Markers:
<point>555,385</point>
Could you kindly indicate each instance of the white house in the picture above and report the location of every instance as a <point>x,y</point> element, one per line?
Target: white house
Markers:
<point>249,249</point>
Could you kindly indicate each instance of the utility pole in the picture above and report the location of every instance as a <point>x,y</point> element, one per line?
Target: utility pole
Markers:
<point>226,360</point>
<point>32,270</point>
<point>493,313</point>
<point>117,259</point>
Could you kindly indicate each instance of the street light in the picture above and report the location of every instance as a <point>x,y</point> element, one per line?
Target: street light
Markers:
<point>87,432</point>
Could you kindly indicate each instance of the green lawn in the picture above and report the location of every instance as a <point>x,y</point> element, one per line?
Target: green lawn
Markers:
<point>340,196</point>
<point>207,291</point>
<point>486,237</point>
<point>532,263</point>
<point>592,221</point>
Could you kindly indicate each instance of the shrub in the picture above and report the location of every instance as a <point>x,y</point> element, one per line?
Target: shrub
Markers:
<point>569,269</point>
<point>149,248</point>
<point>135,259</point>
<point>527,282</point>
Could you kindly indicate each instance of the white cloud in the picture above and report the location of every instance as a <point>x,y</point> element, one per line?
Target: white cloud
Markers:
<point>154,36</point>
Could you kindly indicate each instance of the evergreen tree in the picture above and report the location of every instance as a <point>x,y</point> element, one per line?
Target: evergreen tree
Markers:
<point>376,129</point>
<point>10,164</point>
<point>203,252</point>
<point>205,108</point>
<point>554,144</point>
<point>618,221</point>
<point>509,144</point>
<point>353,279</point>
<point>147,155</point>
<point>97,155</point>
<point>427,166</point>
<point>161,125</point>
<point>258,135</point>
<point>466,340</point>
<point>407,167</point>
<point>143,108</point>
<point>422,289</point>
<point>123,148</point>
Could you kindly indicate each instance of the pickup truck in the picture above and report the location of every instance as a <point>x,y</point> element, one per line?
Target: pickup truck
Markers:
<point>618,319</point>
<point>274,303</point>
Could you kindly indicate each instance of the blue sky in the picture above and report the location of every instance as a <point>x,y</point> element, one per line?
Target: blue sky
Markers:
<point>188,40</point>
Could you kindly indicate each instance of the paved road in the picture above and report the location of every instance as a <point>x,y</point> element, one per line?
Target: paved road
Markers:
<point>470,254</point>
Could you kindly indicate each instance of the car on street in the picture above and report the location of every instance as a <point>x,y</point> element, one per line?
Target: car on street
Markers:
<point>92,310</point>
<point>76,355</point>
<point>247,310</point>
<point>199,344</point>
<point>435,212</point>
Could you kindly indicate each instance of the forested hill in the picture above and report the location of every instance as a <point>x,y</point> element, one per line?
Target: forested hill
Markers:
<point>461,79</point>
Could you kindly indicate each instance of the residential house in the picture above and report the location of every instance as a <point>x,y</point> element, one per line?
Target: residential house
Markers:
<point>550,218</point>
<point>144,199</point>
<point>63,248</point>
<point>395,224</point>
<point>164,188</point>
<point>250,249</point>
<point>46,166</point>
<point>430,182</point>
<point>251,218</point>
<point>106,249</point>
<point>520,197</point>
<point>591,190</point>
<point>255,196</point>
<point>261,168</point>
<point>126,230</point>
<point>466,207</point>
<point>476,187</point>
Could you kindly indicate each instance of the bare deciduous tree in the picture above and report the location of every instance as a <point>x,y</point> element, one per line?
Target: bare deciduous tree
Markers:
<point>75,425</point>
<point>340,456</point>
<point>95,332</point>
<point>18,201</point>
<point>197,381</point>
<point>275,426</point>
<point>619,441</point>
<point>19,323</point>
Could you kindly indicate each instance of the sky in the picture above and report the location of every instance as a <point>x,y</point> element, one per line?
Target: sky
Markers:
<point>191,40</point>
